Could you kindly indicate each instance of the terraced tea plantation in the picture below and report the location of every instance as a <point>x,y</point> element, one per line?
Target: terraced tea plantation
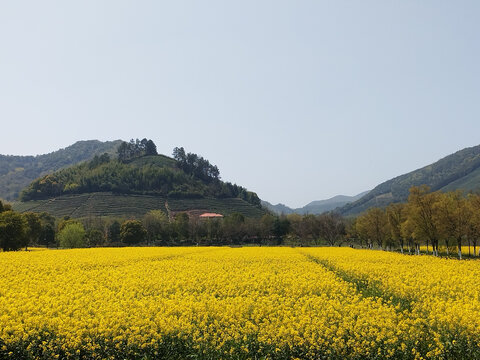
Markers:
<point>237,303</point>
<point>117,205</point>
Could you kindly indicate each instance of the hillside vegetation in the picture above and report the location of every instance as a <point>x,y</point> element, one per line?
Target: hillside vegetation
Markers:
<point>134,183</point>
<point>133,206</point>
<point>459,171</point>
<point>148,175</point>
<point>16,172</point>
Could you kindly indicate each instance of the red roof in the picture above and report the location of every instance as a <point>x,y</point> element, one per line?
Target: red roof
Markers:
<point>210,215</point>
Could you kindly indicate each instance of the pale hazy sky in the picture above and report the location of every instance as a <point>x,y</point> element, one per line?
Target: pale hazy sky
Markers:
<point>296,100</point>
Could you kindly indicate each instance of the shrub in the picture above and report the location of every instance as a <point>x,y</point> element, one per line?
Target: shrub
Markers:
<point>72,236</point>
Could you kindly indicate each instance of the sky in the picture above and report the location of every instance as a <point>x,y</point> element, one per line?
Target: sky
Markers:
<point>295,100</point>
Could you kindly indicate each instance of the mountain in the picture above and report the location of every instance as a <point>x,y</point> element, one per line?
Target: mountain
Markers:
<point>135,184</point>
<point>278,209</point>
<point>321,206</point>
<point>16,172</point>
<point>315,207</point>
<point>460,170</point>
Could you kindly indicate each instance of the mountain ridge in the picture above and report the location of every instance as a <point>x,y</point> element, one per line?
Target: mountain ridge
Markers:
<point>460,170</point>
<point>314,207</point>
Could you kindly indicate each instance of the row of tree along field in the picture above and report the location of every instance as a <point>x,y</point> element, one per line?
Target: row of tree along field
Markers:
<point>19,230</point>
<point>428,220</point>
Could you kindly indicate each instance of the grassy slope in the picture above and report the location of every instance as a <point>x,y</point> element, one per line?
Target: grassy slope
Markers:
<point>116,205</point>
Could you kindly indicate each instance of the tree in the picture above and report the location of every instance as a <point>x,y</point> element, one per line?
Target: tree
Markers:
<point>156,224</point>
<point>421,215</point>
<point>150,148</point>
<point>372,226</point>
<point>34,228</point>
<point>136,148</point>
<point>13,230</point>
<point>309,228</point>
<point>452,218</point>
<point>233,228</point>
<point>295,226</point>
<point>72,235</point>
<point>396,217</point>
<point>474,225</point>
<point>122,152</point>
<point>95,237</point>
<point>266,226</point>
<point>179,155</point>
<point>332,227</point>
<point>182,226</point>
<point>281,227</point>
<point>113,234</point>
<point>48,235</point>
<point>195,165</point>
<point>407,230</point>
<point>132,232</point>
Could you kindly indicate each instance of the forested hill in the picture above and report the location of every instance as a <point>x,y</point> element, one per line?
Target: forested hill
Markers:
<point>186,176</point>
<point>16,172</point>
<point>460,170</point>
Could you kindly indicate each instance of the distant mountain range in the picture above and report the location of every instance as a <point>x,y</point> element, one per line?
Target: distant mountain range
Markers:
<point>460,170</point>
<point>16,172</point>
<point>315,207</point>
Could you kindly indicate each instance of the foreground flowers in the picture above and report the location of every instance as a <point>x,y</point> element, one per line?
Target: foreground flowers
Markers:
<point>236,303</point>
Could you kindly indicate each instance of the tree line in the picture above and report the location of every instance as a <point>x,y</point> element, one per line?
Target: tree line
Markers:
<point>19,230</point>
<point>429,219</point>
<point>426,222</point>
<point>156,228</point>
<point>136,148</point>
<point>196,165</point>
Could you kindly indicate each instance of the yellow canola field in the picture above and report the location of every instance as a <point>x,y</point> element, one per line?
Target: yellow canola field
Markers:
<point>442,292</point>
<point>233,303</point>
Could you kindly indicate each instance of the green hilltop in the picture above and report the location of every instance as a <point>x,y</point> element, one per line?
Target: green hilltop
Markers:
<point>135,181</point>
<point>460,170</point>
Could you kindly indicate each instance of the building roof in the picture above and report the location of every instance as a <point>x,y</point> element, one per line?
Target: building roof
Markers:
<point>211,215</point>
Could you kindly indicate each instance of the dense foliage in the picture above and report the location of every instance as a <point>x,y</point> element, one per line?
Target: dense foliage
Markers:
<point>19,230</point>
<point>145,174</point>
<point>196,165</point>
<point>136,148</point>
<point>72,235</point>
<point>16,172</point>
<point>460,170</point>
